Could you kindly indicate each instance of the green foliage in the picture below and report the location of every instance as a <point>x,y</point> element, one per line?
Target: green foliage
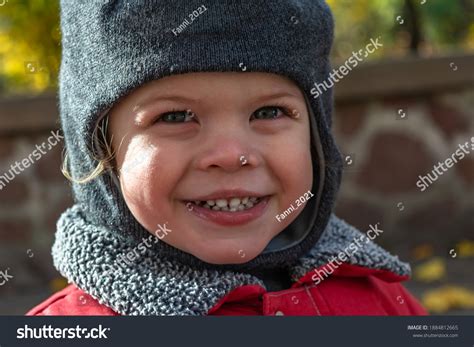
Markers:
<point>443,26</point>
<point>450,23</point>
<point>29,45</point>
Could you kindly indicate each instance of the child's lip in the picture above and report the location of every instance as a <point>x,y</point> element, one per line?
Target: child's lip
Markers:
<point>231,218</point>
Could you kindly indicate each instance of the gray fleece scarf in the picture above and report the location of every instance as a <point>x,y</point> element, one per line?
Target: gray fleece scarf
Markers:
<point>151,285</point>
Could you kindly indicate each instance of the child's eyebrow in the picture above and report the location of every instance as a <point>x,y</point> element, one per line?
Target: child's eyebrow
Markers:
<point>275,96</point>
<point>148,101</point>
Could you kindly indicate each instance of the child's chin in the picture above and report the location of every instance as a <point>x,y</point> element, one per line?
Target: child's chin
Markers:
<point>224,259</point>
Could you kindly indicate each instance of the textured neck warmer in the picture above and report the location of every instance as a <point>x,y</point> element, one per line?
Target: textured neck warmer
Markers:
<point>149,285</point>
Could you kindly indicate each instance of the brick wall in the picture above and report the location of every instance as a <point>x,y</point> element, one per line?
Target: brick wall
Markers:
<point>394,120</point>
<point>388,155</point>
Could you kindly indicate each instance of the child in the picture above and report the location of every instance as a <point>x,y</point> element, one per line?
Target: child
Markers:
<point>204,172</point>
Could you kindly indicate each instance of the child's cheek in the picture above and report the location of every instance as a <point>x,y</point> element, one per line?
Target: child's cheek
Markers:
<point>136,163</point>
<point>146,184</point>
<point>297,167</point>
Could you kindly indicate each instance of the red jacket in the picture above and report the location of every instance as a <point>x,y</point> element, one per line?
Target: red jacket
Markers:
<point>350,290</point>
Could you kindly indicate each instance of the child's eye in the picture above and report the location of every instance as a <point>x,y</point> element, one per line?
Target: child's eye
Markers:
<point>268,112</point>
<point>176,117</point>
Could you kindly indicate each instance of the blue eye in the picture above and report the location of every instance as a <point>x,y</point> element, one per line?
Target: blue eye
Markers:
<point>268,112</point>
<point>176,117</point>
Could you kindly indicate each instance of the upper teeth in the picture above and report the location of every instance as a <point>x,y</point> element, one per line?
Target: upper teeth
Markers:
<point>232,204</point>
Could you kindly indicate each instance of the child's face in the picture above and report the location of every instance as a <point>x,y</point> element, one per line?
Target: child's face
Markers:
<point>168,158</point>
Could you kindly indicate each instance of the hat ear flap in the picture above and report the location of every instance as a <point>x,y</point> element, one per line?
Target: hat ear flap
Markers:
<point>304,224</point>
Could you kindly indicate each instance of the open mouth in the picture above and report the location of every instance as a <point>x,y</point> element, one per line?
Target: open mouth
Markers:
<point>229,211</point>
<point>229,205</point>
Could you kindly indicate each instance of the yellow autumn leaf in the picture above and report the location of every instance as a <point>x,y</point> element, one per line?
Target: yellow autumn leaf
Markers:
<point>423,251</point>
<point>58,284</point>
<point>431,270</point>
<point>448,298</point>
<point>465,248</point>
<point>470,37</point>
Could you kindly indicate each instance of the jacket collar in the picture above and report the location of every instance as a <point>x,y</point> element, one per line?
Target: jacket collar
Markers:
<point>88,256</point>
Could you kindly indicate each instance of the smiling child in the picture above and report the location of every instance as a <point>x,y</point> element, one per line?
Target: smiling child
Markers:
<point>189,153</point>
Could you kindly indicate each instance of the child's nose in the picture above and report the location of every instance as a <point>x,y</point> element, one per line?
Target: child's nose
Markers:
<point>229,155</point>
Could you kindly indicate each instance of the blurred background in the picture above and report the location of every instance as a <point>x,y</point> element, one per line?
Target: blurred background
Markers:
<point>406,108</point>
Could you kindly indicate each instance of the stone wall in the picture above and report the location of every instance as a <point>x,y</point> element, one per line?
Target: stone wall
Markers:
<point>392,136</point>
<point>387,156</point>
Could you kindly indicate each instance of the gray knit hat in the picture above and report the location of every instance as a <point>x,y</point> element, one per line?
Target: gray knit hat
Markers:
<point>111,47</point>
